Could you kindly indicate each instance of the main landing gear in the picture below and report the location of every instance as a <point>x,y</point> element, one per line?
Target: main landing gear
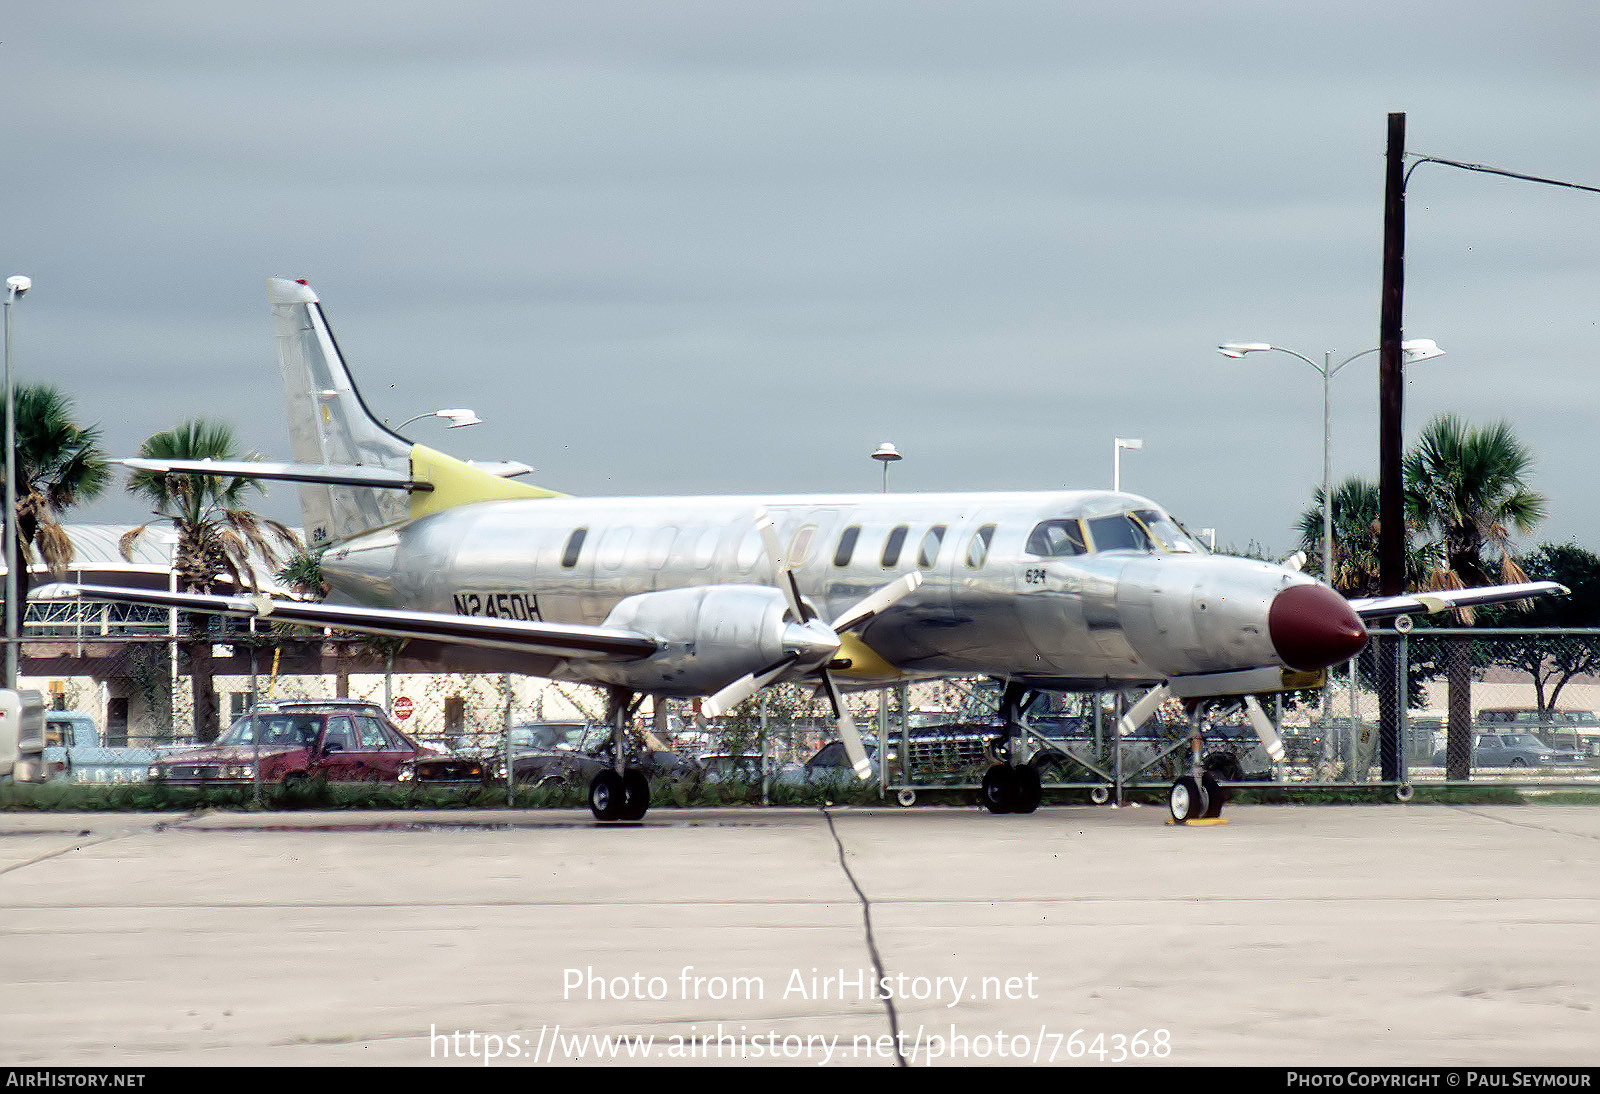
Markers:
<point>1197,795</point>
<point>1012,784</point>
<point>620,793</point>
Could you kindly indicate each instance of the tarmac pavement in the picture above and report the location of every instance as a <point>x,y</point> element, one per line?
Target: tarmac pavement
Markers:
<point>1290,936</point>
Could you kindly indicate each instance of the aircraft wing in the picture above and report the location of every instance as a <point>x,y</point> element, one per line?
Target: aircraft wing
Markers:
<point>568,641</point>
<point>1440,600</point>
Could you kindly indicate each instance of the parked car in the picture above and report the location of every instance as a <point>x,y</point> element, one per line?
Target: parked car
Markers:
<point>1513,750</point>
<point>1578,730</point>
<point>553,754</point>
<point>723,768</point>
<point>338,740</point>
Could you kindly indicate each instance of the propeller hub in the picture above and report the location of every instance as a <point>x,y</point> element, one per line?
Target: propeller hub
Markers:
<point>813,643</point>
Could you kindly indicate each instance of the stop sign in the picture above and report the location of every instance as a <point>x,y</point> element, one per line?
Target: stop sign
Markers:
<point>402,708</point>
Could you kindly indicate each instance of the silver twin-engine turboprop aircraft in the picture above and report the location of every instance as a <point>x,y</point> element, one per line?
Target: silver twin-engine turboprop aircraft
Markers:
<point>718,597</point>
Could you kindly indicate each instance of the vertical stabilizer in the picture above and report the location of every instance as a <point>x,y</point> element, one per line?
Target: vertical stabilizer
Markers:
<point>329,425</point>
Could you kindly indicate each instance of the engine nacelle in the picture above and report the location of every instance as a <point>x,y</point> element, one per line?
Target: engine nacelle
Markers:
<point>711,636</point>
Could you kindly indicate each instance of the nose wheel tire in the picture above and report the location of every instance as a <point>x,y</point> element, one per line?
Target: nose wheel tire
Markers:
<point>1187,800</point>
<point>1215,796</point>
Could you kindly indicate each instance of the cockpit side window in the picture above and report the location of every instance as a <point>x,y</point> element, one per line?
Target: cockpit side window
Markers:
<point>1119,533</point>
<point>1057,539</point>
<point>928,553</point>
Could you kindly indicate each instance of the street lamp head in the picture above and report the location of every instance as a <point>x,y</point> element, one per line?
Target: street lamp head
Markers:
<point>887,453</point>
<point>1239,349</point>
<point>1420,349</point>
<point>17,285</point>
<point>459,417</point>
<point>1134,443</point>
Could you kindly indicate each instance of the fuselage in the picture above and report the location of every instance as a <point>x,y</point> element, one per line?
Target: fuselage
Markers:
<point>1072,589</point>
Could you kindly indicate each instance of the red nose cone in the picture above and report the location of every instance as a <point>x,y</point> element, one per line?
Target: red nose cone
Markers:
<point>1313,627</point>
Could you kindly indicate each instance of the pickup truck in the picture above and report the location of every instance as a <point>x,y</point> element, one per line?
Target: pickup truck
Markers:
<point>73,752</point>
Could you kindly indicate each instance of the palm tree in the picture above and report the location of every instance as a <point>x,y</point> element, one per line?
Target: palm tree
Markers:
<point>1467,486</point>
<point>1355,540</point>
<point>1355,536</point>
<point>217,537</point>
<point>59,465</point>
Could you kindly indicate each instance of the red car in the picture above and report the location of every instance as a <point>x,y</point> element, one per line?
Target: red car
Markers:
<point>337,740</point>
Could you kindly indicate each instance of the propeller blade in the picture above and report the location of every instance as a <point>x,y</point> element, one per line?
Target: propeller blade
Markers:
<point>870,606</point>
<point>782,575</point>
<point>1263,728</point>
<point>847,730</point>
<point>744,687</point>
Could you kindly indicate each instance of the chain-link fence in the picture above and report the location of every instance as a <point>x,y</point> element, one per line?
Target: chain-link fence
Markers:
<point>1469,705</point>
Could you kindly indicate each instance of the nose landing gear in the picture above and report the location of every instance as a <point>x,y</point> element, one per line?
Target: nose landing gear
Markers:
<point>1197,796</point>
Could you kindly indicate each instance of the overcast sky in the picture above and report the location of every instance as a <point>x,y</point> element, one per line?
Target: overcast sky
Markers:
<point>712,246</point>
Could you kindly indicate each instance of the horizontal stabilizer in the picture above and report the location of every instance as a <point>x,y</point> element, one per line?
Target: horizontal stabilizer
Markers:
<point>564,640</point>
<point>337,474</point>
<point>1439,600</point>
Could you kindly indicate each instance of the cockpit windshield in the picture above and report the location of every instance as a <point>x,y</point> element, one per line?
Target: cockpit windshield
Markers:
<point>1166,531</point>
<point>1145,530</point>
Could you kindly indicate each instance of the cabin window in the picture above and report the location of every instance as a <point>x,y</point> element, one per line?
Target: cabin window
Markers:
<point>614,547</point>
<point>847,545</point>
<point>1057,539</point>
<point>892,546</point>
<point>800,547</point>
<point>705,549</point>
<point>1118,533</point>
<point>928,553</point>
<point>661,546</point>
<point>750,550</point>
<point>569,557</point>
<point>978,549</point>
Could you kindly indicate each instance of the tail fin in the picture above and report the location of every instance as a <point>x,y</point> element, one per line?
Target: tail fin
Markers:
<point>330,425</point>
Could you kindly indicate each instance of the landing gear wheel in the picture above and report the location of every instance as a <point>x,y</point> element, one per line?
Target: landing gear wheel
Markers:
<point>635,795</point>
<point>907,797</point>
<point>1000,789</point>
<point>1186,800</point>
<point>1215,796</point>
<point>1029,792</point>
<point>606,796</point>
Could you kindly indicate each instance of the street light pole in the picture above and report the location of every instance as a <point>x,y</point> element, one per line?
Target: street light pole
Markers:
<point>886,454</point>
<point>1414,349</point>
<point>16,286</point>
<point>1118,444</point>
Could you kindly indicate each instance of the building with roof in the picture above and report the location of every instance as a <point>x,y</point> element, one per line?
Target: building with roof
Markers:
<point>133,666</point>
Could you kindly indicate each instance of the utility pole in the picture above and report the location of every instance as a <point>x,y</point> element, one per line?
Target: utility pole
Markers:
<point>1391,391</point>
